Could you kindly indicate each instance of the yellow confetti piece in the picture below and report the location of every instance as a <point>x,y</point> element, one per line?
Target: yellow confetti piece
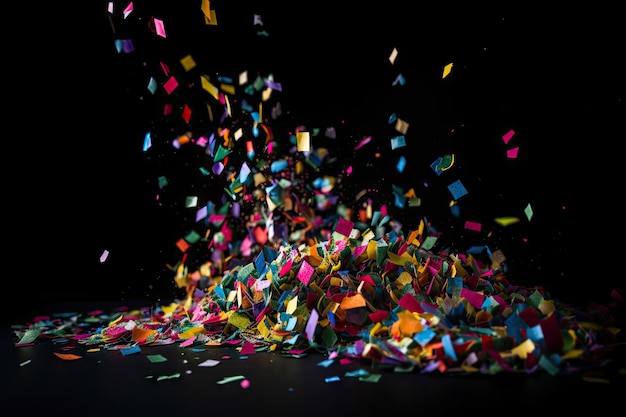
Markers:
<point>506,221</point>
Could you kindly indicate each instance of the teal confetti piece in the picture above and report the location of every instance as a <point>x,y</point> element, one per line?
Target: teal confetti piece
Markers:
<point>130,350</point>
<point>326,363</point>
<point>359,373</point>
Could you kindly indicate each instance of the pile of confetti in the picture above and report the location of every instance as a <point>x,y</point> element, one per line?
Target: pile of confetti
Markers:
<point>378,298</point>
<point>280,261</point>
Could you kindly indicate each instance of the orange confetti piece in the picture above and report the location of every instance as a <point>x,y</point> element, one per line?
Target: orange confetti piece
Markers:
<point>68,356</point>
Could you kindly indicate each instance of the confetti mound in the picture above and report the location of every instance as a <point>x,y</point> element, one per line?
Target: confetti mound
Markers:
<point>382,299</point>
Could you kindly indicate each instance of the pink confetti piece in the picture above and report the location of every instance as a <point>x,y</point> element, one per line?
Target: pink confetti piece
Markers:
<point>512,153</point>
<point>305,272</point>
<point>469,225</point>
<point>159,27</point>
<point>363,142</point>
<point>507,136</point>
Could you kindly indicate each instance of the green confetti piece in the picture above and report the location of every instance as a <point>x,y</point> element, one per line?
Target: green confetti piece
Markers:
<point>157,358</point>
<point>163,377</point>
<point>29,336</point>
<point>371,378</point>
<point>230,379</point>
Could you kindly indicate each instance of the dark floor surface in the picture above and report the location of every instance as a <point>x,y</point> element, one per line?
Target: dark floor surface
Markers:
<point>106,382</point>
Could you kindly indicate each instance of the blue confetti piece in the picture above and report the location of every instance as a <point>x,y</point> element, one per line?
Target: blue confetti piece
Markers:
<point>457,189</point>
<point>130,350</point>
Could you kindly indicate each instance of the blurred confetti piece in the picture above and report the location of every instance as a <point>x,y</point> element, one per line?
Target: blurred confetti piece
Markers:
<point>616,295</point>
<point>447,70</point>
<point>529,212</point>
<point>359,373</point>
<point>230,379</point>
<point>25,363</point>
<point>157,358</point>
<point>164,377</point>
<point>188,63</point>
<point>370,378</point>
<point>402,126</point>
<point>128,10</point>
<point>68,356</point>
<point>363,142</point>
<point>398,142</point>
<point>401,164</point>
<point>469,225</point>
<point>29,336</point>
<point>130,350</point>
<point>304,141</point>
<point>506,221</point>
<point>399,80</point>
<point>209,363</point>
<point>393,56</point>
<point>104,256</point>
<point>147,141</point>
<point>247,348</point>
<point>245,384</point>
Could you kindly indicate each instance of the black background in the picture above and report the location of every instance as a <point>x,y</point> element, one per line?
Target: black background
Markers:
<point>78,183</point>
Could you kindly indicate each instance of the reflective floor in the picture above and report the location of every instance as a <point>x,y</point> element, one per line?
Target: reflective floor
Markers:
<point>201,379</point>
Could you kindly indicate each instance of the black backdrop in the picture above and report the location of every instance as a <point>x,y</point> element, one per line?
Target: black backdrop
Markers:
<point>78,182</point>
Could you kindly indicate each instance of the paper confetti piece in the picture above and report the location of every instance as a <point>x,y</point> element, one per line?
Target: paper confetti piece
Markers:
<point>506,221</point>
<point>209,363</point>
<point>164,377</point>
<point>469,225</point>
<point>128,10</point>
<point>447,70</point>
<point>159,27</point>
<point>305,272</point>
<point>401,164</point>
<point>229,379</point>
<point>529,212</point>
<point>247,348</point>
<point>104,256</point>
<point>130,350</point>
<point>363,142</point>
<point>393,56</point>
<point>371,378</point>
<point>398,142</point>
<point>457,189</point>
<point>158,358</point>
<point>512,153</point>
<point>29,336</point>
<point>507,136</point>
<point>68,356</point>
<point>399,80</point>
